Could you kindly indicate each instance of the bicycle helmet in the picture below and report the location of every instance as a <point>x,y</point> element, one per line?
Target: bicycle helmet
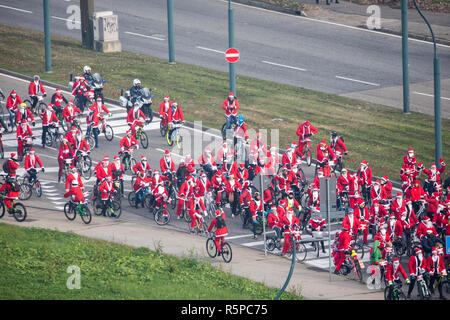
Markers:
<point>241,118</point>
<point>36,77</point>
<point>136,82</point>
<point>333,133</point>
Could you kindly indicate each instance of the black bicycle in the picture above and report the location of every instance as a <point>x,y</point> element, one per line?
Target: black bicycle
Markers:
<point>211,249</point>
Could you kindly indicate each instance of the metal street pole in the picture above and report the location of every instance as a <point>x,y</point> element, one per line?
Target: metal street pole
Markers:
<point>437,95</point>
<point>87,27</point>
<point>232,70</point>
<point>329,226</point>
<point>47,44</point>
<point>170,31</point>
<point>405,56</point>
<point>263,216</point>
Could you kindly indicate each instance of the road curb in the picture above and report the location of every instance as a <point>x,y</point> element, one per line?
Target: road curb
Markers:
<point>269,7</point>
<point>187,123</point>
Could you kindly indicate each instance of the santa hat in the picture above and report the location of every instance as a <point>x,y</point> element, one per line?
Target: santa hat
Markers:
<point>323,142</point>
<point>143,157</point>
<point>426,218</point>
<point>116,158</point>
<point>166,97</point>
<point>433,165</point>
<point>175,103</point>
<point>13,155</point>
<point>434,249</point>
<point>231,94</point>
<point>218,212</point>
<point>364,163</point>
<point>128,131</point>
<point>392,216</point>
<point>13,91</point>
<point>417,251</point>
<point>399,194</point>
<point>375,201</point>
<point>410,150</point>
<point>156,172</point>
<point>167,152</point>
<point>396,259</point>
<point>385,178</point>
<point>208,149</point>
<point>378,182</point>
<point>106,159</point>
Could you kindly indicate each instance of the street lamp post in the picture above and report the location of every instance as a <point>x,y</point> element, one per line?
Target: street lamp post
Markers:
<point>47,45</point>
<point>405,56</point>
<point>437,95</point>
<point>170,31</point>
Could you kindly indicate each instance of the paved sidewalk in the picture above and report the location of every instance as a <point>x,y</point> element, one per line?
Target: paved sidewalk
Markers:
<point>354,14</point>
<point>272,270</point>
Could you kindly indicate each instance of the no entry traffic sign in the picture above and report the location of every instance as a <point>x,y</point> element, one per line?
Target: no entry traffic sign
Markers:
<point>232,55</point>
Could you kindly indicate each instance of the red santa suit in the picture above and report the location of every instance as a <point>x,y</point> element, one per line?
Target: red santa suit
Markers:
<point>290,223</point>
<point>135,118</point>
<point>13,103</point>
<point>69,113</point>
<point>186,191</point>
<point>31,162</point>
<point>126,143</point>
<point>175,114</point>
<point>230,106</point>
<point>76,194</point>
<point>34,88</point>
<point>351,223</point>
<point>73,176</point>
<point>303,130</point>
<point>219,182</point>
<point>414,264</point>
<point>106,188</point>
<point>23,133</point>
<point>221,231</point>
<point>167,164</point>
<point>344,245</point>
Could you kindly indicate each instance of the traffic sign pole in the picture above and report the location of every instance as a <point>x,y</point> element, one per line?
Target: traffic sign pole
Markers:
<point>232,70</point>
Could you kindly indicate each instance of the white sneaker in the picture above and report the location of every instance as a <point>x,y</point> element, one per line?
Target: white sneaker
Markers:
<point>178,217</point>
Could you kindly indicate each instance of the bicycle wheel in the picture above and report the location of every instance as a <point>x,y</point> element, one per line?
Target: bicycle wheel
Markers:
<point>2,151</point>
<point>162,129</point>
<point>132,199</point>
<point>109,132</point>
<point>97,207</point>
<point>49,139</point>
<point>86,215</point>
<point>270,244</point>
<point>224,131</point>
<point>359,250</point>
<point>300,253</point>
<point>400,295</point>
<point>38,188</point>
<point>179,141</point>
<point>65,125</point>
<point>84,168</point>
<point>132,162</point>
<point>25,192</point>
<point>2,209</point>
<point>169,138</point>
<point>358,271</point>
<point>162,217</point>
<point>117,208</point>
<point>40,108</point>
<point>308,158</point>
<point>143,139</point>
<point>91,142</point>
<point>20,213</point>
<point>69,212</point>
<point>29,104</point>
<point>211,248</point>
<point>187,216</point>
<point>386,293</point>
<point>227,253</point>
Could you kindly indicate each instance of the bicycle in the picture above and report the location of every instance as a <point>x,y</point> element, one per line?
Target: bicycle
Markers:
<point>127,159</point>
<point>106,129</point>
<point>84,164</point>
<point>2,150</point>
<point>307,151</point>
<point>26,188</point>
<point>114,207</point>
<point>26,147</point>
<point>141,136</point>
<point>163,126</point>
<point>53,136</point>
<point>399,246</point>
<point>18,210</point>
<point>71,210</point>
<point>67,125</point>
<point>173,135</point>
<point>259,223</point>
<point>352,263</point>
<point>233,124</point>
<point>90,137</point>
<point>397,292</point>
<point>211,249</point>
<point>300,249</point>
<point>422,286</point>
<point>140,196</point>
<point>40,105</point>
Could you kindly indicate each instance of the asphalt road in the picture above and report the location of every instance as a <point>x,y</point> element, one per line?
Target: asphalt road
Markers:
<point>288,49</point>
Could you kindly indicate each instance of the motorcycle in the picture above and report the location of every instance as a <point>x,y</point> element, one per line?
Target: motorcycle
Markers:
<point>97,85</point>
<point>146,100</point>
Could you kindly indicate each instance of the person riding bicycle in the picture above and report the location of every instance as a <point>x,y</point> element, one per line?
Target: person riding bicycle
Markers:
<point>240,133</point>
<point>161,197</point>
<point>73,175</point>
<point>142,165</point>
<point>11,189</point>
<point>337,144</point>
<point>141,185</point>
<point>218,222</point>
<point>363,216</point>
<point>35,88</point>
<point>174,117</point>
<point>23,113</point>
<point>164,110</point>
<point>106,189</point>
<point>185,193</point>
<point>231,106</point>
<point>229,166</point>
<point>304,132</point>
<point>70,112</point>
<point>196,208</point>
<point>31,162</point>
<point>378,193</point>
<point>207,162</point>
<point>289,159</point>
<point>417,195</point>
<point>166,164</point>
<point>384,238</point>
<point>273,159</point>
<point>218,182</point>
<point>434,175</point>
<point>274,221</point>
<point>203,186</point>
<point>78,89</point>
<point>57,100</point>
<point>135,118</point>
<point>127,144</point>
<point>24,134</point>
<point>393,272</point>
<point>75,192</point>
<point>65,152</point>
<point>156,180</point>
<point>410,159</point>
<point>117,171</point>
<point>258,150</point>
<point>81,147</point>
<point>12,104</point>
<point>437,269</point>
<point>49,120</point>
<point>351,223</point>
<point>324,155</point>
<point>256,206</point>
<point>417,265</point>
<point>378,214</point>
<point>290,225</point>
<point>387,186</point>
<point>343,249</point>
<point>233,190</point>
<point>11,165</point>
<point>245,200</point>
<point>365,177</point>
<point>99,107</point>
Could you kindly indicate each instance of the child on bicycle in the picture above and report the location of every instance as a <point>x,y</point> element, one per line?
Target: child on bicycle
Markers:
<point>75,192</point>
<point>221,229</point>
<point>11,188</point>
<point>393,271</point>
<point>196,208</point>
<point>31,163</point>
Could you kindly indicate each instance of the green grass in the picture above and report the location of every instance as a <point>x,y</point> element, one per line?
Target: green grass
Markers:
<point>379,134</point>
<point>34,265</point>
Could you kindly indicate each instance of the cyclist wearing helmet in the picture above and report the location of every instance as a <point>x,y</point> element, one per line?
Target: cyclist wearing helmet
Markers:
<point>87,74</point>
<point>78,89</point>
<point>337,144</point>
<point>23,113</point>
<point>240,131</point>
<point>135,90</point>
<point>34,89</point>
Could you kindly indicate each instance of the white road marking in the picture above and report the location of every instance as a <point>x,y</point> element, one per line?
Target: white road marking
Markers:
<point>429,95</point>
<point>283,65</point>
<point>145,36</point>
<point>253,244</point>
<point>360,81</point>
<point>209,49</point>
<point>64,19</point>
<point>17,9</point>
<point>337,24</point>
